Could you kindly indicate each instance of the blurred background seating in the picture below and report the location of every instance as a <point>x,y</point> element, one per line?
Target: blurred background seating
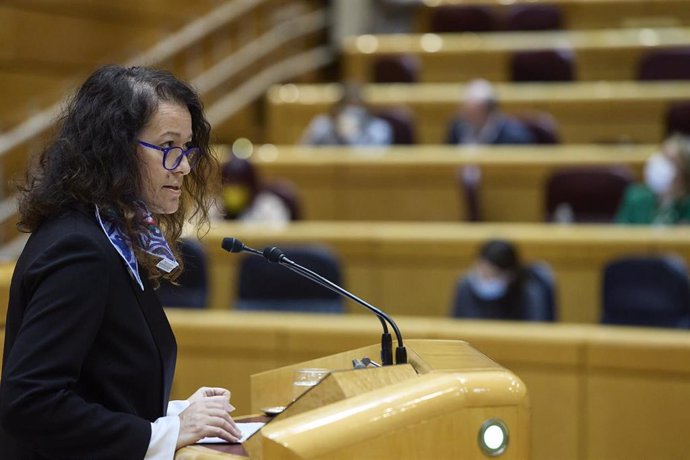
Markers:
<point>402,68</point>
<point>678,118</point>
<point>267,286</point>
<point>191,288</point>
<point>461,18</point>
<point>646,291</point>
<point>542,125</point>
<point>402,123</point>
<point>542,65</point>
<point>586,194</point>
<point>525,17</point>
<point>665,64</point>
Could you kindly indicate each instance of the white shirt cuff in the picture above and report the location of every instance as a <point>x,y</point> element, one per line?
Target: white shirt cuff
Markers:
<point>164,433</point>
<point>177,406</point>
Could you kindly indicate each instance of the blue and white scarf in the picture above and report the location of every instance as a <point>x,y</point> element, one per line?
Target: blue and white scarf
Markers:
<point>151,240</point>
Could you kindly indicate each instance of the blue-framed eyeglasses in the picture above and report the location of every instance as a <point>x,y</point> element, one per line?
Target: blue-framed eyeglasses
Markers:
<point>172,156</point>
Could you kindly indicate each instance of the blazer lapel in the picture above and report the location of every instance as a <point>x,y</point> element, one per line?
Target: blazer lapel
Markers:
<point>162,334</point>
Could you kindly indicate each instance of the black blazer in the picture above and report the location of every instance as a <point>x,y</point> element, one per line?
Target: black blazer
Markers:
<point>89,357</point>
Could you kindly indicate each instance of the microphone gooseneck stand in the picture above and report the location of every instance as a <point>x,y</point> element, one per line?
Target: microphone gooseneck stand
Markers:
<point>275,255</point>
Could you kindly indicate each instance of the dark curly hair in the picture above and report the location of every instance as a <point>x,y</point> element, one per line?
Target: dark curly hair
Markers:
<point>93,158</point>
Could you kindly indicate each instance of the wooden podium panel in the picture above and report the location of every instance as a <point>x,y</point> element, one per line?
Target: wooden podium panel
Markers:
<point>433,407</point>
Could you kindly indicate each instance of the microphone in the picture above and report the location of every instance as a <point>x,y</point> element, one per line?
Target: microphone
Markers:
<point>275,255</point>
<point>235,245</point>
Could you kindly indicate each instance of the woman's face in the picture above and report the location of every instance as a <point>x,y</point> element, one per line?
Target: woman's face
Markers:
<point>170,126</point>
<point>488,271</point>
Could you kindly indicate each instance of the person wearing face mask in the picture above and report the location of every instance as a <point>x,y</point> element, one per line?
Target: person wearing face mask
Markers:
<point>500,287</point>
<point>245,198</point>
<point>664,197</point>
<point>349,123</point>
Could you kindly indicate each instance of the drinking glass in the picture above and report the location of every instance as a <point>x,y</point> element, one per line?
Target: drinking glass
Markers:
<point>305,379</point>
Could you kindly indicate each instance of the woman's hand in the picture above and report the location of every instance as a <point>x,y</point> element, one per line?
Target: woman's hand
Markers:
<point>205,392</point>
<point>207,415</point>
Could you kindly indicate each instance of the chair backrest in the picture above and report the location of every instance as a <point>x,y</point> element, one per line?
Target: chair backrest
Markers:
<point>547,65</point>
<point>402,123</point>
<point>542,125</point>
<point>646,291</point>
<point>541,282</point>
<point>592,194</point>
<point>665,64</point>
<point>266,286</point>
<point>534,17</point>
<point>462,18</point>
<point>543,274</point>
<point>469,180</point>
<point>395,68</point>
<point>192,289</point>
<point>678,118</point>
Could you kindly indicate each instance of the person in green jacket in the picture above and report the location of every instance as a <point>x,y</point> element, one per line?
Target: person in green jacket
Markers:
<point>664,198</point>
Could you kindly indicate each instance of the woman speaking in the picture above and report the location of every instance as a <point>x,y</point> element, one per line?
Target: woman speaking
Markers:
<point>89,354</point>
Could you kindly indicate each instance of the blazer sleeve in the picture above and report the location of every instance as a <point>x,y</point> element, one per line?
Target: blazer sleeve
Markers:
<point>66,289</point>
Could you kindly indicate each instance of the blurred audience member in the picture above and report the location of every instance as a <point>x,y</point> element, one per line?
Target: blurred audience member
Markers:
<point>245,198</point>
<point>480,121</point>
<point>664,198</point>
<point>349,123</point>
<point>500,287</point>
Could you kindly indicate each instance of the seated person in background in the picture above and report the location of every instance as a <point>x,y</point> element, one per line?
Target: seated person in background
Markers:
<point>349,123</point>
<point>500,287</point>
<point>664,198</point>
<point>244,198</point>
<point>480,121</point>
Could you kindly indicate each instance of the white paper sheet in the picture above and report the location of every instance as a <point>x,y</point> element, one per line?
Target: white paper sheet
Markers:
<point>247,430</point>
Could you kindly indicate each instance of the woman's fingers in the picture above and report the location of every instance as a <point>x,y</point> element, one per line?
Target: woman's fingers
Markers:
<point>205,392</point>
<point>207,417</point>
<point>217,391</point>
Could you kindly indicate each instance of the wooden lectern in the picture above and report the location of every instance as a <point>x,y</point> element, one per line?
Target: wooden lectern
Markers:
<point>449,401</point>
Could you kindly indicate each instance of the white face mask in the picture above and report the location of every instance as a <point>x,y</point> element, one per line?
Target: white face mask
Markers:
<point>659,173</point>
<point>488,288</point>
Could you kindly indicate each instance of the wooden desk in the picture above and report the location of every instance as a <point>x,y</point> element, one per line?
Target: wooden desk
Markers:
<point>339,183</point>
<point>598,54</point>
<point>586,14</point>
<point>596,392</point>
<point>586,111</point>
<point>411,269</point>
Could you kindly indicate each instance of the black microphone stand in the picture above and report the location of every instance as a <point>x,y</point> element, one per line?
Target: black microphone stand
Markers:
<point>275,255</point>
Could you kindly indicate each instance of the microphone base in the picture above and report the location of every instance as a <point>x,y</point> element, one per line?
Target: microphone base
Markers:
<point>401,355</point>
<point>386,349</point>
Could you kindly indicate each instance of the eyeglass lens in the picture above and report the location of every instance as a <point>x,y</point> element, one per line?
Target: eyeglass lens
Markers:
<point>173,158</point>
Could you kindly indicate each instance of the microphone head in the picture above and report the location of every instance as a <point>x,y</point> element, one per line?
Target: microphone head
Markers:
<point>232,245</point>
<point>273,254</point>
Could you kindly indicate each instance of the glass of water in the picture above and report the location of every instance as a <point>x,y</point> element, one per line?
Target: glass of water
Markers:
<point>305,379</point>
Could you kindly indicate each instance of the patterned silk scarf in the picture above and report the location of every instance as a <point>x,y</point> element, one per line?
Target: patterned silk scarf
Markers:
<point>151,240</point>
